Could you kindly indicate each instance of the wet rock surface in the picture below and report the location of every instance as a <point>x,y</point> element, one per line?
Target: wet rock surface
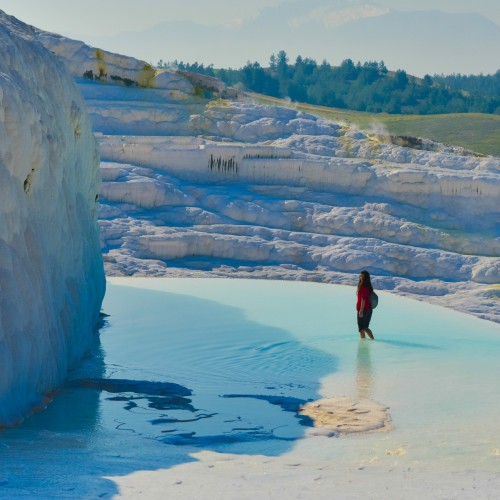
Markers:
<point>346,415</point>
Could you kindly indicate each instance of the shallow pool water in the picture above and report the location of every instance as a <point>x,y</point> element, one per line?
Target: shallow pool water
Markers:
<point>223,365</point>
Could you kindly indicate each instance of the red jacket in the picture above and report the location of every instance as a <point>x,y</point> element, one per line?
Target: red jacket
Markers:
<point>364,293</point>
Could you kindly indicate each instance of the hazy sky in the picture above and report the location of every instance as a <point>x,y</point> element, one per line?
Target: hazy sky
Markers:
<point>108,17</point>
<point>101,23</point>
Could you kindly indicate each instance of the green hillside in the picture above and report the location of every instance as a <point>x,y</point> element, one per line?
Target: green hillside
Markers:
<point>478,132</point>
<point>368,87</point>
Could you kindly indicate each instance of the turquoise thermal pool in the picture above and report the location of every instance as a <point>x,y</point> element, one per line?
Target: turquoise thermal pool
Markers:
<point>223,365</point>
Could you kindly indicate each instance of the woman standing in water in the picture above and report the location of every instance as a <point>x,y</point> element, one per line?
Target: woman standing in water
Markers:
<point>363,304</point>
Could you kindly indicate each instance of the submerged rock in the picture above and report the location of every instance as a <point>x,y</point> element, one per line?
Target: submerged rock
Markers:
<point>346,415</point>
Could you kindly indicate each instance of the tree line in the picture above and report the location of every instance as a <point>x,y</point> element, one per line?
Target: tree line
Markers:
<point>367,86</point>
<point>482,85</point>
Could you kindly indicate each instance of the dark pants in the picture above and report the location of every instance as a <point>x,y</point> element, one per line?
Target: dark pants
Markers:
<point>364,322</point>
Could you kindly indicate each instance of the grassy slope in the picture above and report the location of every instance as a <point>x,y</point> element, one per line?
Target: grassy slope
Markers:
<point>475,131</point>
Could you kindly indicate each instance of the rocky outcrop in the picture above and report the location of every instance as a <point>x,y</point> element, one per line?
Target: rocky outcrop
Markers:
<point>210,84</point>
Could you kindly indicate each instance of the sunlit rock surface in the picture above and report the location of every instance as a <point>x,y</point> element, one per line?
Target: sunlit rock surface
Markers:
<point>227,188</point>
<point>346,415</point>
<point>52,280</point>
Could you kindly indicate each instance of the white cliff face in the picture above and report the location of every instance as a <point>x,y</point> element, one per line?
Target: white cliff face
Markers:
<point>234,189</point>
<point>51,274</point>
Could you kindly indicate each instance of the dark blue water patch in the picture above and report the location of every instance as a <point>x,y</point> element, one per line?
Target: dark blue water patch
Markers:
<point>169,420</point>
<point>170,403</point>
<point>135,386</point>
<point>159,396</point>
<point>176,413</point>
<point>219,441</point>
<point>286,403</point>
<point>155,403</point>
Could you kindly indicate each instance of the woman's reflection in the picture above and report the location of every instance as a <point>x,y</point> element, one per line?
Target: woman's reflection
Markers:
<point>364,376</point>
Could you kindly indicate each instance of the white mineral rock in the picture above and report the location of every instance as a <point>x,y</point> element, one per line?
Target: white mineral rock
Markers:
<point>346,415</point>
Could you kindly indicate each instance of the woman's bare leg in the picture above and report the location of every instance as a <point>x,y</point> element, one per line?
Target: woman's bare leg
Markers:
<point>370,333</point>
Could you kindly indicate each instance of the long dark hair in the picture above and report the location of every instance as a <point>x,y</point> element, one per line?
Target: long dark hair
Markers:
<point>364,280</point>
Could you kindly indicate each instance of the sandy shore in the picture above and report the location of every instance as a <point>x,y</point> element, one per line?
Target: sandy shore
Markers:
<point>298,475</point>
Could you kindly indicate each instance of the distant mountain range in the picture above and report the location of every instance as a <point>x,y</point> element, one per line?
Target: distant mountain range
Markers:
<point>420,42</point>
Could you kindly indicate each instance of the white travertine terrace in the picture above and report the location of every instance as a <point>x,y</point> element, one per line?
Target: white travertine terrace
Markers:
<point>230,188</point>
